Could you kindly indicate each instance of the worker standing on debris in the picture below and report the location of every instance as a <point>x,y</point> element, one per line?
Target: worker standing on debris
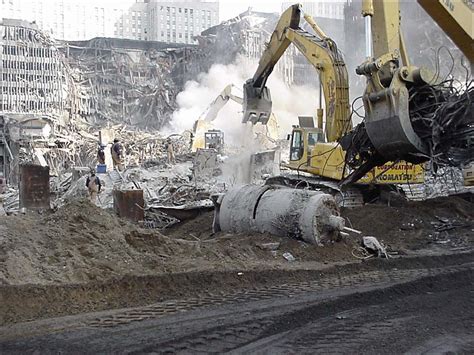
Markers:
<point>191,140</point>
<point>101,154</point>
<point>93,186</point>
<point>117,154</point>
<point>170,151</point>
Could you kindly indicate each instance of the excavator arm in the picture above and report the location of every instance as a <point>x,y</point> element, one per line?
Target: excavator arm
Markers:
<point>322,53</point>
<point>211,112</point>
<point>390,130</point>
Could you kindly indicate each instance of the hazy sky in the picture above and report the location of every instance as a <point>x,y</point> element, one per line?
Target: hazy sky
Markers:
<point>231,8</point>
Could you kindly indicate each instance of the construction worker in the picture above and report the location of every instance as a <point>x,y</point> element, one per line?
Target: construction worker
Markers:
<point>116,150</point>
<point>93,186</point>
<point>101,154</point>
<point>170,151</point>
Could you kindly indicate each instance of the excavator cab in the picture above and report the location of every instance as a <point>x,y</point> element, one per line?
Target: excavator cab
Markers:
<point>257,104</point>
<point>303,140</point>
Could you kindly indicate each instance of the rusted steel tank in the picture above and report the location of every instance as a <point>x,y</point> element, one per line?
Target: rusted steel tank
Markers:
<point>302,214</point>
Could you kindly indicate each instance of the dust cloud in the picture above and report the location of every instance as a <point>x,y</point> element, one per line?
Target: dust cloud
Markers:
<point>288,102</point>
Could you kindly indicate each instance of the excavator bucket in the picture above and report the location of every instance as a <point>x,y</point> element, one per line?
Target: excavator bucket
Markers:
<point>257,104</point>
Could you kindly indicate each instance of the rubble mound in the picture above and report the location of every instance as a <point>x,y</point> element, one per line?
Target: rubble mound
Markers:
<point>81,243</point>
<point>82,212</point>
<point>417,224</point>
<point>77,243</point>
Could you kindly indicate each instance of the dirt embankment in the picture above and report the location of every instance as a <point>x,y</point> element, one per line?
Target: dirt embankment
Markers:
<point>444,221</point>
<point>80,243</point>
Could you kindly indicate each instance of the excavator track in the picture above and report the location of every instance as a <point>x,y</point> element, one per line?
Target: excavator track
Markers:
<point>349,197</point>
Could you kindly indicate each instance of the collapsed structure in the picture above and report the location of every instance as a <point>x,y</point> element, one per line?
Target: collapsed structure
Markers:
<point>55,97</point>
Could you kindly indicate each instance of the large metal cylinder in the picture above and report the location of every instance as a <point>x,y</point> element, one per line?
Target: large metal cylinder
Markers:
<point>308,215</point>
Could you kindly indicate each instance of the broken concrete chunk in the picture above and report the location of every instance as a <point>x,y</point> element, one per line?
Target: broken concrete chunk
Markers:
<point>269,246</point>
<point>288,256</point>
<point>374,246</point>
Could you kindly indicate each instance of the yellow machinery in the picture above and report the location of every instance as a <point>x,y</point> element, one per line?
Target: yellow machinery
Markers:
<point>388,132</point>
<point>315,150</point>
<point>204,124</point>
<point>456,19</point>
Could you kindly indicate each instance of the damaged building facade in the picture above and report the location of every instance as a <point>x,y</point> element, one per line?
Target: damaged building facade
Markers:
<point>57,95</point>
<point>34,89</point>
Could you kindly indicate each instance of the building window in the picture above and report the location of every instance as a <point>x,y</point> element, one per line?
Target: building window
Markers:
<point>179,10</point>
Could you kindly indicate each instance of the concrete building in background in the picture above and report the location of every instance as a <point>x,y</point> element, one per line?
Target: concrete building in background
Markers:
<point>333,9</point>
<point>179,21</point>
<point>329,15</point>
<point>168,21</point>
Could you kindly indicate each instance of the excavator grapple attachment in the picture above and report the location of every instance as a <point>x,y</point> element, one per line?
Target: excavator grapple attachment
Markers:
<point>257,104</point>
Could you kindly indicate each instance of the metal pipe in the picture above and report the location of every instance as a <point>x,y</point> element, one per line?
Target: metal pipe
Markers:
<point>368,36</point>
<point>308,215</point>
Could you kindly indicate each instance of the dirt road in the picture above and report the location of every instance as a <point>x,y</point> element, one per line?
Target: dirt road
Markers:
<point>415,305</point>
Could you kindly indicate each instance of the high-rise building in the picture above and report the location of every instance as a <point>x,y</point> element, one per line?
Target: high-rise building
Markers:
<point>172,21</point>
<point>329,15</point>
<point>179,21</point>
<point>333,9</point>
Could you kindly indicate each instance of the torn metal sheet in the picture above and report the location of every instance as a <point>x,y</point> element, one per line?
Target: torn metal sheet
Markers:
<point>129,204</point>
<point>34,187</point>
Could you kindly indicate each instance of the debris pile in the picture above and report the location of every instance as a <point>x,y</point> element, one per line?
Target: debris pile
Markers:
<point>122,85</point>
<point>443,118</point>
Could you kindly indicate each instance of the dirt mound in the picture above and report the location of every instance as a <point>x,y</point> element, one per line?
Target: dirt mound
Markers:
<point>80,243</point>
<point>414,225</point>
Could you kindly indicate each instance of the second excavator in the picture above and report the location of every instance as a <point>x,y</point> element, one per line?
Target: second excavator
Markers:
<point>316,156</point>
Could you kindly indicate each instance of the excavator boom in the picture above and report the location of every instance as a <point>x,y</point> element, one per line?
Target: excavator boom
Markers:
<point>257,99</point>
<point>393,129</point>
<point>322,53</point>
<point>456,19</point>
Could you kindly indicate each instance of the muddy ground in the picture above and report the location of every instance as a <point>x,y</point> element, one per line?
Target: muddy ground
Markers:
<point>82,251</point>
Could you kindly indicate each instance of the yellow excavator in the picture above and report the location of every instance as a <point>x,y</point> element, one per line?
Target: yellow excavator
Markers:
<point>397,91</point>
<point>204,127</point>
<point>315,153</point>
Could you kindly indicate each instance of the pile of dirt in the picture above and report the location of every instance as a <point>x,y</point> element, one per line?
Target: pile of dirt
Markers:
<point>415,225</point>
<point>80,242</point>
<point>77,243</point>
